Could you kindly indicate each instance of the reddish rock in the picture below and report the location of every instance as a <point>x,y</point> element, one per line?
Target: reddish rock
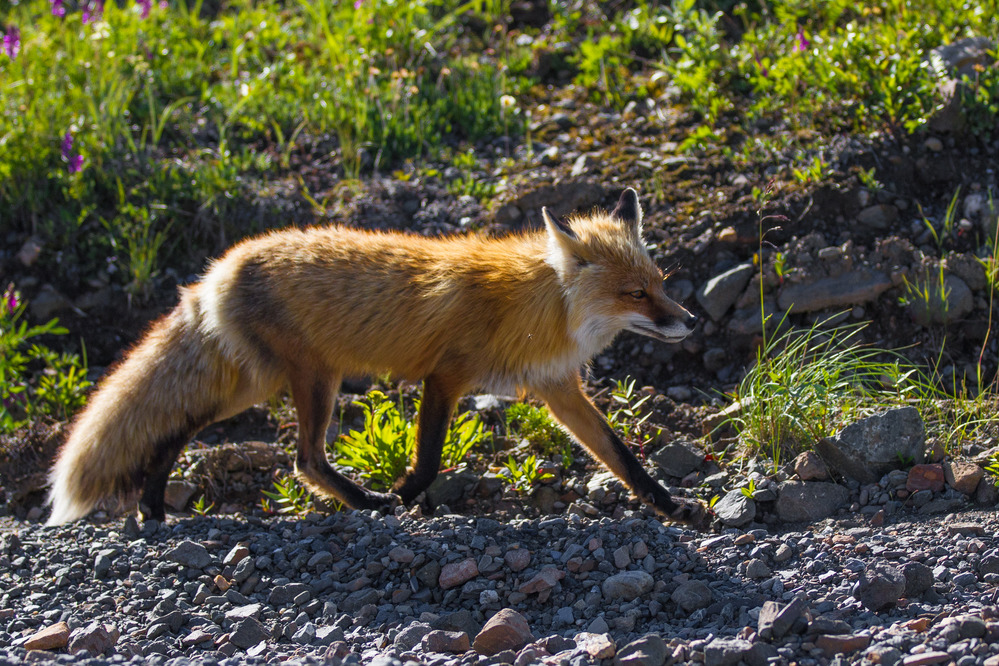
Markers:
<point>809,467</point>
<point>929,476</point>
<point>963,476</point>
<point>926,659</point>
<point>55,637</point>
<point>457,573</point>
<point>833,645</point>
<point>546,579</point>
<point>517,559</point>
<point>506,630</point>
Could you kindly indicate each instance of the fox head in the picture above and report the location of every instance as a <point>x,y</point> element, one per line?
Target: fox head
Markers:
<point>609,280</point>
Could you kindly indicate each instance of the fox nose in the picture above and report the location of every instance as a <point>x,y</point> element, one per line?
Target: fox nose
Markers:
<point>691,321</point>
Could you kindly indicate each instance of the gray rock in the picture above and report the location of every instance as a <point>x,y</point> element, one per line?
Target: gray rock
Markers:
<point>873,446</point>
<point>248,632</point>
<point>678,458</point>
<point>726,651</point>
<point>918,578</point>
<point>880,586</point>
<point>775,620</point>
<point>692,595</point>
<point>719,293</point>
<point>453,642</point>
<point>735,509</point>
<point>411,636</point>
<point>959,58</point>
<point>845,290</point>
<point>189,554</point>
<point>809,502</point>
<point>649,650</point>
<point>627,585</point>
<point>451,487</point>
<point>880,216</point>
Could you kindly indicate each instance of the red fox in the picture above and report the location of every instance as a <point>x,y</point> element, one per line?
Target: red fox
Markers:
<point>302,309</point>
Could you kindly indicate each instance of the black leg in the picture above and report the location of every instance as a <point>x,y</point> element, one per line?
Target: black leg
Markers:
<point>439,399</point>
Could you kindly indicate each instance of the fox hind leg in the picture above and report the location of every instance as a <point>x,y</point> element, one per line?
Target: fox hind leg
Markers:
<point>152,504</point>
<point>313,396</point>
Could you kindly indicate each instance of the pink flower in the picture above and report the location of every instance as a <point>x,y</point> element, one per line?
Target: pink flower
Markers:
<point>58,9</point>
<point>75,163</point>
<point>357,4</point>
<point>801,42</point>
<point>146,6</point>
<point>12,42</point>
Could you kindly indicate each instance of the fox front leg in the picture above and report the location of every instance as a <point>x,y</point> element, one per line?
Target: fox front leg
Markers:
<point>440,395</point>
<point>570,406</point>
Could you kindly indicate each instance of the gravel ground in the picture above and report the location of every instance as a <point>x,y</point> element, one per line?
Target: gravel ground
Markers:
<point>354,587</point>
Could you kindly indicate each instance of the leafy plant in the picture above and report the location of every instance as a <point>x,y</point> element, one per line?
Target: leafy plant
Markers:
<point>34,380</point>
<point>382,449</point>
<point>201,506</point>
<point>289,496</point>
<point>523,476</point>
<point>542,433</point>
<point>627,414</point>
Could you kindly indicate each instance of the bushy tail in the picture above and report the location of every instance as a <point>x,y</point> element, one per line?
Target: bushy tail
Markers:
<point>173,383</point>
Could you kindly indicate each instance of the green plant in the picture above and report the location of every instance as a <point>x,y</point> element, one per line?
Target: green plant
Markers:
<point>523,476</point>
<point>201,506</point>
<point>926,299</point>
<point>289,495</point>
<point>542,433</point>
<point>749,489</point>
<point>814,172</point>
<point>947,225</point>
<point>34,380</point>
<point>627,413</point>
<point>382,449</point>
<point>868,179</point>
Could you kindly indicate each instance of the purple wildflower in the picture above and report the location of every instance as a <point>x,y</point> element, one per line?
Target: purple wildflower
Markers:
<point>357,4</point>
<point>801,42</point>
<point>67,145</point>
<point>11,298</point>
<point>12,42</point>
<point>92,10</point>
<point>58,9</point>
<point>75,161</point>
<point>146,5</point>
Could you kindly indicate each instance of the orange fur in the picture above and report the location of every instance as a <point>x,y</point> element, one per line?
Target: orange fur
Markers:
<point>303,309</point>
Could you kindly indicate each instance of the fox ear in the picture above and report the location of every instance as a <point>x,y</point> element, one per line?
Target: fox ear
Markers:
<point>629,210</point>
<point>565,252</point>
<point>557,226</point>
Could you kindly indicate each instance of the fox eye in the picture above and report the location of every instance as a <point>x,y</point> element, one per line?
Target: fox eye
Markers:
<point>638,294</point>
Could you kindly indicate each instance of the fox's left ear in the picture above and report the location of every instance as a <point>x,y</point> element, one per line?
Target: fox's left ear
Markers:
<point>629,210</point>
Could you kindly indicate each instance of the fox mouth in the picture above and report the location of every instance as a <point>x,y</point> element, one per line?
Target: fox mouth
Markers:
<point>673,333</point>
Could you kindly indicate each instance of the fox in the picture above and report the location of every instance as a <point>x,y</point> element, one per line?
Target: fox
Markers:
<point>300,309</point>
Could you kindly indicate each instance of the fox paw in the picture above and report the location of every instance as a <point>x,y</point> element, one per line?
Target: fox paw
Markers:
<point>692,513</point>
<point>385,503</point>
